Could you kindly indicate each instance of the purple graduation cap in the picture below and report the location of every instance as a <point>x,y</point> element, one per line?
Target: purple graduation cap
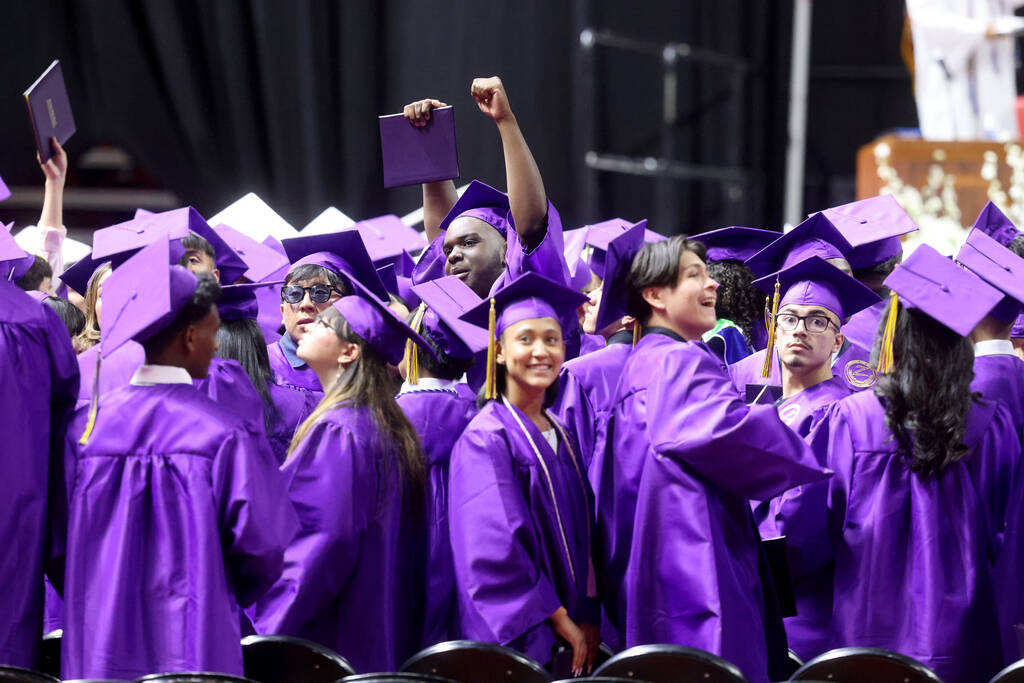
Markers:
<point>419,154</point>
<point>735,243</point>
<point>447,299</point>
<point>117,243</point>
<point>79,274</point>
<point>597,238</point>
<point>996,225</point>
<point>399,286</point>
<point>261,261</point>
<point>528,296</point>
<point>342,252</point>
<point>49,110</point>
<point>4,192</point>
<point>14,261</point>
<point>238,302</point>
<point>931,283</point>
<point>378,325</point>
<point>143,295</point>
<point>999,267</point>
<point>816,236</point>
<point>1017,331</point>
<point>480,201</point>
<point>229,263</point>
<point>815,282</point>
<point>873,226</point>
<point>574,246</point>
<point>618,257</point>
<point>387,238</point>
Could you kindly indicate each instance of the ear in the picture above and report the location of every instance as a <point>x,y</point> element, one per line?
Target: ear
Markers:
<point>840,339</point>
<point>349,354</point>
<point>499,353</point>
<point>188,339</point>
<point>654,296</point>
<point>216,274</point>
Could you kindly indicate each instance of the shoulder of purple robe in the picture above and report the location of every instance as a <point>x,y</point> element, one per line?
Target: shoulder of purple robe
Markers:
<point>116,369</point>
<point>332,481</point>
<point>574,409</point>
<point>303,379</point>
<point>547,258</point>
<point>696,415</point>
<point>228,384</point>
<point>591,342</point>
<point>493,537</point>
<point>809,406</point>
<point>748,371</point>
<point>853,366</point>
<point>439,417</point>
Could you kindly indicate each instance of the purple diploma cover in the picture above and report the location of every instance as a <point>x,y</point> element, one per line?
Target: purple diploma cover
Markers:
<point>413,155</point>
<point>49,109</point>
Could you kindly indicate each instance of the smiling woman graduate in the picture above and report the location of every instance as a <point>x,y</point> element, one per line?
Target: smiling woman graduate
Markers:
<point>519,505</point>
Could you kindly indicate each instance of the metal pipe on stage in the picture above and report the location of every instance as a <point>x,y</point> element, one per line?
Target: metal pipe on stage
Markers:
<point>797,129</point>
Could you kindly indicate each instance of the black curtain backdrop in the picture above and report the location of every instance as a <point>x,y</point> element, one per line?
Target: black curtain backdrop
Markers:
<point>215,98</point>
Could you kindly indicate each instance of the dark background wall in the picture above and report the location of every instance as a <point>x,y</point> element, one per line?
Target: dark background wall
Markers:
<point>214,99</point>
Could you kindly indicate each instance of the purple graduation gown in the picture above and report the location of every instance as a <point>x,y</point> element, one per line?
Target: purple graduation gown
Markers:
<point>352,578</point>
<point>38,386</point>
<point>439,417</point>
<point>520,532</point>
<point>684,454</point>
<point>590,343</point>
<point>1001,378</point>
<point>803,411</point>
<point>175,520</point>
<point>293,406</point>
<point>862,326</point>
<point>913,555</point>
<point>852,365</point>
<point>116,371</point>
<point>290,372</point>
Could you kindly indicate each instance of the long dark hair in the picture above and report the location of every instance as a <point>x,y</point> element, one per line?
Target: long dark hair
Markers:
<point>367,383</point>
<point>928,393</point>
<point>738,300</point>
<point>242,340</point>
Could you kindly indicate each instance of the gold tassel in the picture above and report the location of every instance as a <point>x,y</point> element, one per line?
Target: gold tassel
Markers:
<point>636,332</point>
<point>490,388</point>
<point>412,354</point>
<point>885,351</point>
<point>769,322</point>
<point>94,402</point>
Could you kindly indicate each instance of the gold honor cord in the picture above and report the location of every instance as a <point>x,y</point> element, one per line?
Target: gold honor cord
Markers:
<point>636,332</point>
<point>769,321</point>
<point>412,354</point>
<point>94,401</point>
<point>490,386</point>
<point>551,485</point>
<point>885,350</point>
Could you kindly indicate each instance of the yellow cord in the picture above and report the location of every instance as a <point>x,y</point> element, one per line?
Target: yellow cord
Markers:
<point>412,354</point>
<point>885,358</point>
<point>490,388</point>
<point>94,402</point>
<point>769,322</point>
<point>636,332</point>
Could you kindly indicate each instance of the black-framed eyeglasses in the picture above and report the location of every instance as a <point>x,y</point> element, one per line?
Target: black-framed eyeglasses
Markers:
<point>318,293</point>
<point>814,323</point>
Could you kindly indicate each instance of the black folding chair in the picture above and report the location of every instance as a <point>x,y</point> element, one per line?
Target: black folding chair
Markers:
<point>13,674</point>
<point>669,664</point>
<point>467,661</point>
<point>394,678</point>
<point>1011,674</point>
<point>49,653</point>
<point>285,659</point>
<point>856,664</point>
<point>193,677</point>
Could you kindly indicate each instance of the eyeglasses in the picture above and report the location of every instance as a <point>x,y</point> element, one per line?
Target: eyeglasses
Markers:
<point>318,294</point>
<point>814,324</point>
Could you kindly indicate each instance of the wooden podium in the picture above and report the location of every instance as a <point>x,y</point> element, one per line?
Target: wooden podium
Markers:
<point>949,181</point>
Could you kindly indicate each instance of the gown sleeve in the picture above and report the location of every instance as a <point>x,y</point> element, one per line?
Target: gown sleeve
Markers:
<point>574,410</point>
<point>696,415</point>
<point>494,542</point>
<point>332,482</point>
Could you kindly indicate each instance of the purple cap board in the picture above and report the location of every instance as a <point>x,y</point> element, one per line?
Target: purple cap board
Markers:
<point>397,285</point>
<point>735,243</point>
<point>49,110</point>
<point>996,225</point>
<point>79,275</point>
<point>229,263</point>
<point>816,236</point>
<point>597,239</point>
<point>447,299</point>
<point>143,295</point>
<point>419,154</point>
<point>378,325</point>
<point>342,252</point>
<point>618,257</point>
<point>931,283</point>
<point>387,238</point>
<point>528,296</point>
<point>119,242</point>
<point>480,201</point>
<point>14,261</point>
<point>999,267</point>
<point>4,192</point>
<point>873,226</point>
<point>815,282</point>
<point>238,302</point>
<point>262,261</point>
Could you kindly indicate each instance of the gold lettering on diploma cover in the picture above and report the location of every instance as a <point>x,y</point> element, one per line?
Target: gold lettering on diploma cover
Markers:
<point>53,116</point>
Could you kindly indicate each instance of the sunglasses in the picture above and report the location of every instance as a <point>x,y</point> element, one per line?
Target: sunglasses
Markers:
<point>318,294</point>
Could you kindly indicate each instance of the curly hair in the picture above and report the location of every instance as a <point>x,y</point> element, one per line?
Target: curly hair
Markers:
<point>738,300</point>
<point>928,393</point>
